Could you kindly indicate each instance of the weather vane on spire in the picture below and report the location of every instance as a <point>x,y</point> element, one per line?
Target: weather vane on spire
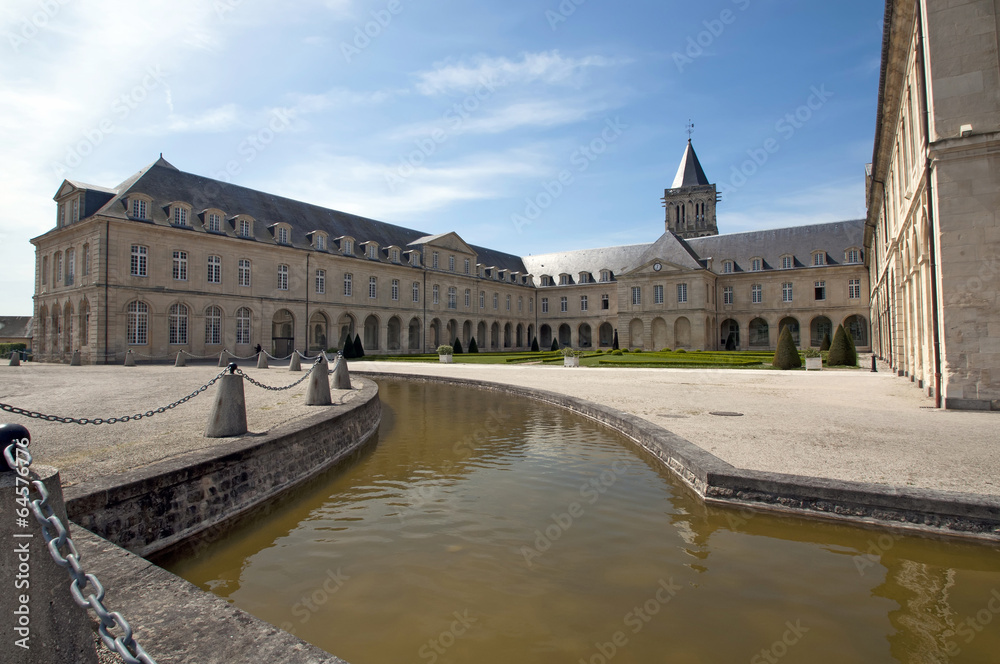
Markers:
<point>690,129</point>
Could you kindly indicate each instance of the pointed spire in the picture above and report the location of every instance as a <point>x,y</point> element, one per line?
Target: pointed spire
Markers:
<point>690,173</point>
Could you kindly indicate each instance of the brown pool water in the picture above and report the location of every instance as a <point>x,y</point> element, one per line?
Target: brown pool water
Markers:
<point>485,528</point>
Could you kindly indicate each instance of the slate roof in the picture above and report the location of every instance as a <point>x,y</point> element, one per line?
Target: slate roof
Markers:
<point>18,327</point>
<point>690,172</point>
<point>834,238</point>
<point>673,249</point>
<point>617,259</point>
<point>165,184</point>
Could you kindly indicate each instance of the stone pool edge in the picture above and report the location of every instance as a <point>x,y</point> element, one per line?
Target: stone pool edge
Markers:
<point>927,511</point>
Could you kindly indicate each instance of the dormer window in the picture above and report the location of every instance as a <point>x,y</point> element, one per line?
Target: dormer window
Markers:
<point>282,235</point>
<point>605,276</point>
<point>347,247</point>
<point>564,280</point>
<point>214,222</point>
<point>138,208</point>
<point>319,241</point>
<point>819,258</point>
<point>394,255</point>
<point>500,275</point>
<point>756,265</point>
<point>727,267</point>
<point>546,280</point>
<point>372,251</point>
<point>244,227</point>
<point>179,215</point>
<point>585,278</point>
<point>853,256</point>
<point>787,262</point>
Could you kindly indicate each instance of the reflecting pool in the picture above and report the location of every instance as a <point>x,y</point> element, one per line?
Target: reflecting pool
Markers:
<point>486,528</point>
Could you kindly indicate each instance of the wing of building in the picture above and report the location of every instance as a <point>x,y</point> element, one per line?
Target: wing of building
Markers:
<point>170,261</point>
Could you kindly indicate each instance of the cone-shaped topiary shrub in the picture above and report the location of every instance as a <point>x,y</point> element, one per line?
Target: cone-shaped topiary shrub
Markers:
<point>786,356</point>
<point>731,342</point>
<point>852,351</point>
<point>839,350</point>
<point>348,348</point>
<point>825,344</point>
<point>555,344</point>
<point>359,350</point>
<point>473,348</point>
<point>457,346</point>
<point>615,345</point>
<point>534,344</point>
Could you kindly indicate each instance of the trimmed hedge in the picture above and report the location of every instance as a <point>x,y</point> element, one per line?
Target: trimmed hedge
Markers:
<point>473,348</point>
<point>840,350</point>
<point>457,346</point>
<point>787,355</point>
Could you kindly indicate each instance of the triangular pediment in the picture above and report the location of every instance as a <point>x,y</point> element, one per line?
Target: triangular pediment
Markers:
<point>450,241</point>
<point>665,267</point>
<point>65,189</point>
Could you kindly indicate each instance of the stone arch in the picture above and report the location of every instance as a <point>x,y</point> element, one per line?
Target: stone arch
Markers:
<point>67,340</point>
<point>435,333</point>
<point>507,335</point>
<point>820,325</point>
<point>392,333</point>
<point>792,324</point>
<point>481,338</point>
<point>42,328</point>
<point>348,328</point>
<point>635,334</point>
<point>760,333</point>
<point>682,333</point>
<point>857,325</point>
<point>531,335</point>
<point>84,323</point>
<point>466,333</point>
<point>584,336</point>
<point>519,336</point>
<point>319,331</point>
<point>413,340</point>
<point>660,339</point>
<point>282,333</point>
<point>495,336</point>
<point>371,336</point>
<point>452,332</point>
<point>544,337</point>
<point>730,330</point>
<point>606,335</point>
<point>565,336</point>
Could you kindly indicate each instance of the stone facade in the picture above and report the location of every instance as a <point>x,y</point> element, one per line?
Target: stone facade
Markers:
<point>932,232</point>
<point>170,261</point>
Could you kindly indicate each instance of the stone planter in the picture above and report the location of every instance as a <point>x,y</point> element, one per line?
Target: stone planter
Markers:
<point>447,359</point>
<point>814,363</point>
<point>571,361</point>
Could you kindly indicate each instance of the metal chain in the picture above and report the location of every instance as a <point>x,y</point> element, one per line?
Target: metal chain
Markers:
<point>110,420</point>
<point>279,359</point>
<point>151,357</point>
<point>19,460</point>
<point>239,372</point>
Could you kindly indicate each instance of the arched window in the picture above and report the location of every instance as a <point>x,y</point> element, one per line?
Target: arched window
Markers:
<point>243,320</point>
<point>138,323</point>
<point>178,324</point>
<point>213,326</point>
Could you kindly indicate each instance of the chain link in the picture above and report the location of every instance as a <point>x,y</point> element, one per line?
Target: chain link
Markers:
<point>19,460</point>
<point>110,420</point>
<point>239,372</point>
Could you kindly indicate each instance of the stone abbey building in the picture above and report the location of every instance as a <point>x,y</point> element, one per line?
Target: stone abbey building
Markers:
<point>170,261</point>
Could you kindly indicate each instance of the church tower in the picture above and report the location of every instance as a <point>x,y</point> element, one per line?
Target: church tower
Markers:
<point>690,201</point>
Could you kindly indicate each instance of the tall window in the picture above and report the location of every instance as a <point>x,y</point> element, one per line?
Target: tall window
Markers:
<point>76,209</point>
<point>545,305</point>
<point>583,303</point>
<point>786,292</point>
<point>138,208</point>
<point>853,256</point>
<point>85,256</point>
<point>180,216</point>
<point>605,276</point>
<point>520,304</point>
<point>45,270</point>
<point>451,263</point>
<point>467,266</point>
<point>139,255</point>
<point>372,287</point>
<point>636,295</point>
<point>214,269</point>
<point>416,291</point>
<point>563,304</point>
<point>435,294</point>
<point>213,326</point>
<point>244,272</point>
<point>321,243</point>
<point>178,324</point>
<point>243,326</point>
<point>468,298</point>
<point>214,223</point>
<point>819,258</point>
<point>531,305</point>
<point>282,277</point>
<point>820,290</point>
<point>605,302</point>
<point>854,289</point>
<point>321,282</point>
<point>348,284</point>
<point>786,262</point>
<point>452,298</point>
<point>372,251</point>
<point>57,268</point>
<point>756,293</point>
<point>245,228</point>
<point>563,279</point>
<point>657,294</point>
<point>282,235</point>
<point>434,260</point>
<point>496,301</point>
<point>395,290</point>
<point>180,265</point>
<point>682,293</point>
<point>507,303</point>
<point>756,265</point>
<point>394,255</point>
<point>727,294</point>
<point>348,247</point>
<point>70,266</point>
<point>138,323</point>
<point>482,299</point>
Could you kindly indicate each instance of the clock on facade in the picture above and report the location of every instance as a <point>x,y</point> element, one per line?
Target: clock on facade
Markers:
<point>657,266</point>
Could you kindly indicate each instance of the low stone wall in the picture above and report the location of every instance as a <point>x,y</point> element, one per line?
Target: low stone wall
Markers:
<point>158,506</point>
<point>720,483</point>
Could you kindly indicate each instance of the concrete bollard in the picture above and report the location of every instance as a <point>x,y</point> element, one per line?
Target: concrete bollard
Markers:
<point>318,392</point>
<point>261,360</point>
<point>180,361</point>
<point>223,359</point>
<point>341,376</point>
<point>75,360</point>
<point>129,358</point>
<point>229,412</point>
<point>43,625</point>
<point>15,358</point>
<point>295,364</point>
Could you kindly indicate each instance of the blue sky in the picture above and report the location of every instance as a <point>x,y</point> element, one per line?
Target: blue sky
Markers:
<point>444,115</point>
